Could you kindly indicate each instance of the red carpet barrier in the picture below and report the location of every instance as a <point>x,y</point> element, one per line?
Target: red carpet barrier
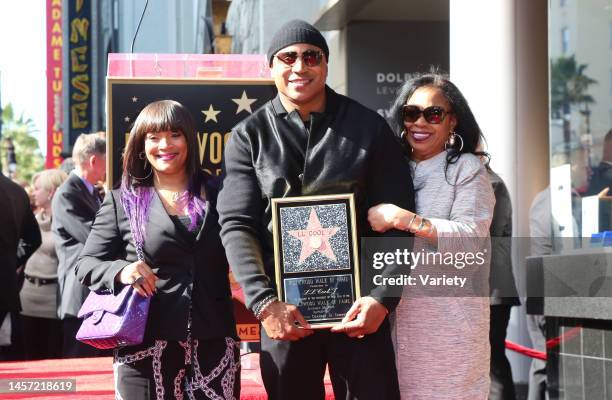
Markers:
<point>550,344</point>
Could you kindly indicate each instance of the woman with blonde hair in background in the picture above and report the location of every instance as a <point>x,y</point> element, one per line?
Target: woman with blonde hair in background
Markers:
<point>42,330</point>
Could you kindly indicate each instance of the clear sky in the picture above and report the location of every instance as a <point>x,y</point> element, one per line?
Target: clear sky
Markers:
<point>23,61</point>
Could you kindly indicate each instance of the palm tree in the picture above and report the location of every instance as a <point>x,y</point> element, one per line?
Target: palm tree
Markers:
<point>569,87</point>
<point>19,132</point>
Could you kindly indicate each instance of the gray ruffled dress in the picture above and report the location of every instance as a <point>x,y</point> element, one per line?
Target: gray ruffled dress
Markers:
<point>442,333</point>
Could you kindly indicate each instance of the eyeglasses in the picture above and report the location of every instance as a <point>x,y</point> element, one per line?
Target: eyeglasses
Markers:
<point>433,114</point>
<point>310,58</point>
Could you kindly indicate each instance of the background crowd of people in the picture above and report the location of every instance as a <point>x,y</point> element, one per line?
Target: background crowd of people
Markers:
<point>64,203</point>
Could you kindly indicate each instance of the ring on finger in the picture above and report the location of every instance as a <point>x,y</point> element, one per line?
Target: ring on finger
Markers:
<point>138,280</point>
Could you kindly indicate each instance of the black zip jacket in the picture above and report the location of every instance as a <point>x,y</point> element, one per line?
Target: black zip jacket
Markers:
<point>346,149</point>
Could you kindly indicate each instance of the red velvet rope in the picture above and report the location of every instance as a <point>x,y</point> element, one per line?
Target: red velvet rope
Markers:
<point>550,344</point>
<point>526,351</point>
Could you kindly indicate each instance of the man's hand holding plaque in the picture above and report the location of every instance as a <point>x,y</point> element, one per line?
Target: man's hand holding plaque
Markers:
<point>281,322</point>
<point>364,317</point>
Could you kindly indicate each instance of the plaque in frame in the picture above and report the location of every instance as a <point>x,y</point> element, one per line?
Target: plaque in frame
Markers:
<point>315,255</point>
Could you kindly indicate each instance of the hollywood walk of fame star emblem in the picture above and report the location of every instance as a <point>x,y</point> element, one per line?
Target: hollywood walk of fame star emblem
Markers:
<point>315,238</point>
<point>211,114</point>
<point>244,103</point>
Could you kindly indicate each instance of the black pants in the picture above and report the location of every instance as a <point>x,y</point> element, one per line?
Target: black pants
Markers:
<point>161,370</point>
<point>71,347</point>
<point>15,351</point>
<point>502,385</point>
<point>42,338</point>
<point>359,368</point>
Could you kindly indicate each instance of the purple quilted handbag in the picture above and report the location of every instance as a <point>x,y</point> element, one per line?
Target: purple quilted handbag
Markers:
<point>113,320</point>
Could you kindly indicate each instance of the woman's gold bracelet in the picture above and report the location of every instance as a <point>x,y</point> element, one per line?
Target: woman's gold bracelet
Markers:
<point>419,230</point>
<point>431,228</point>
<point>409,227</point>
<point>412,230</point>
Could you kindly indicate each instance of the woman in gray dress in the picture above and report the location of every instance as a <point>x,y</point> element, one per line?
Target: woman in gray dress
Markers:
<point>442,335</point>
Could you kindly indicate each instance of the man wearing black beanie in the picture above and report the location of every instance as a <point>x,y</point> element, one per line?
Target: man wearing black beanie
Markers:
<point>310,140</point>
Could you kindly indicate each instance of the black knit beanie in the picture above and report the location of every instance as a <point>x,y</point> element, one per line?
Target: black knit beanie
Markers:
<point>296,31</point>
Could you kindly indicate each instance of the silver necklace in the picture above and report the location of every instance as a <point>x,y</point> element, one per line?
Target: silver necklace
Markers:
<point>177,195</point>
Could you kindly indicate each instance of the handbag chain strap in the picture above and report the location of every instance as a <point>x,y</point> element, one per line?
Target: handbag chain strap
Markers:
<point>139,252</point>
<point>190,378</point>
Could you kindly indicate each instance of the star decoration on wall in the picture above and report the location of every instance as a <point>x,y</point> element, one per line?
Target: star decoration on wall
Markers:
<point>134,99</point>
<point>315,238</point>
<point>244,103</point>
<point>126,119</point>
<point>211,114</point>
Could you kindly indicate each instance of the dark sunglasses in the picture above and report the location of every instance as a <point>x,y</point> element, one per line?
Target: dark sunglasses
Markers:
<point>433,114</point>
<point>310,58</point>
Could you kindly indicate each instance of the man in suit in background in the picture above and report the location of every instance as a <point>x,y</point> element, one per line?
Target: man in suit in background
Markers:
<point>74,206</point>
<point>504,294</point>
<point>602,174</point>
<point>19,238</point>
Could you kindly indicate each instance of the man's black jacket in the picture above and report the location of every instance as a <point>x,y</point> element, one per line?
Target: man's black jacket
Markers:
<point>272,154</point>
<point>19,238</point>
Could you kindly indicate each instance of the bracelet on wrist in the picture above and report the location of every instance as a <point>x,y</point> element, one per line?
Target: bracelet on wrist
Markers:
<point>260,309</point>
<point>431,228</point>
<point>421,231</point>
<point>409,227</point>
